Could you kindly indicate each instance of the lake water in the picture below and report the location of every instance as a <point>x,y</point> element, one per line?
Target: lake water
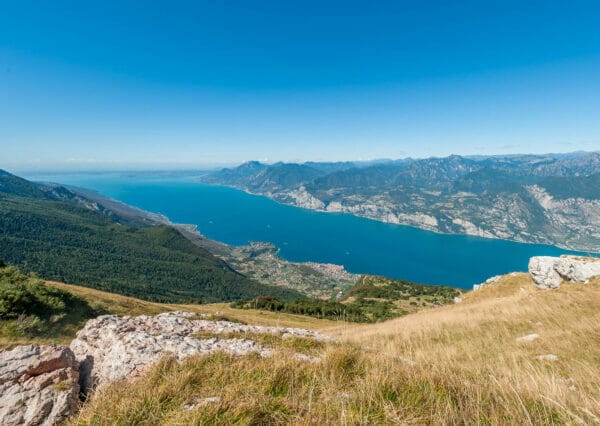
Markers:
<point>361,245</point>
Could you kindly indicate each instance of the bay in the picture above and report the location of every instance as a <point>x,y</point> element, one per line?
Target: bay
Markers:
<point>361,245</point>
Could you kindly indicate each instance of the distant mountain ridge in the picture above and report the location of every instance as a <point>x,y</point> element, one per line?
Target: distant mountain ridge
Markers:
<point>548,199</point>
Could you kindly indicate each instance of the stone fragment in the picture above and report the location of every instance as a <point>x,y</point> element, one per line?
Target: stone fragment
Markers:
<point>547,357</point>
<point>306,358</point>
<point>528,338</point>
<point>39,385</point>
<point>201,402</point>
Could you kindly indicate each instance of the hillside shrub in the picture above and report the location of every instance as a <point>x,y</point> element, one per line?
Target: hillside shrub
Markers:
<point>29,307</point>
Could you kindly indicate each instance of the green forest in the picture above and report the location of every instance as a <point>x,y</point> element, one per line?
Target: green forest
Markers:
<point>372,299</point>
<point>303,306</point>
<point>378,287</point>
<point>69,242</point>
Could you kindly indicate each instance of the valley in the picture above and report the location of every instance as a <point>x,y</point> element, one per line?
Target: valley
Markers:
<point>361,246</point>
<point>78,236</point>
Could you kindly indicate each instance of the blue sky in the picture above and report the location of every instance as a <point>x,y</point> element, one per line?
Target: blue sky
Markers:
<point>103,85</point>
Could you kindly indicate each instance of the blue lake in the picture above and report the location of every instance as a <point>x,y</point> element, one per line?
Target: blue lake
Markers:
<point>361,245</point>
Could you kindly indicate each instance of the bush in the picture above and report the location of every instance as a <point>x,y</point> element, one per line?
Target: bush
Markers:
<point>20,294</point>
<point>29,307</point>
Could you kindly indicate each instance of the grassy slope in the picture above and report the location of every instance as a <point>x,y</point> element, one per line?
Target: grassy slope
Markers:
<point>386,298</point>
<point>454,364</point>
<point>124,305</point>
<point>111,303</point>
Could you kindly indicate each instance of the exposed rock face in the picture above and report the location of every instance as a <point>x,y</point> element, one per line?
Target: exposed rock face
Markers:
<point>111,347</point>
<point>302,198</point>
<point>39,385</point>
<point>550,272</point>
<point>576,217</point>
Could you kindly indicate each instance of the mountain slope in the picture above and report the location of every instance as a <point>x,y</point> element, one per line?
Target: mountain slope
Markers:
<point>548,199</point>
<point>36,312</point>
<point>64,237</point>
<point>14,185</point>
<point>563,188</point>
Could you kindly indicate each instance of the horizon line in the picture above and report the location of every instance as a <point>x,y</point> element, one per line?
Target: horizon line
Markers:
<point>200,167</point>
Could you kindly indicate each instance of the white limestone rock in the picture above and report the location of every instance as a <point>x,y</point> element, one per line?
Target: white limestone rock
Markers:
<point>528,338</point>
<point>39,385</point>
<point>547,357</point>
<point>201,402</point>
<point>549,272</point>
<point>541,269</point>
<point>302,198</point>
<point>111,347</point>
<point>490,280</point>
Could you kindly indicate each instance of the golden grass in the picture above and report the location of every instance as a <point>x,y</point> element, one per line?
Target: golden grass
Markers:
<point>458,364</point>
<point>123,305</point>
<point>116,304</point>
<point>473,346</point>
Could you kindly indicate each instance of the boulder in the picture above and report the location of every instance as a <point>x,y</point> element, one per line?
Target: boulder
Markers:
<point>39,385</point>
<point>549,272</point>
<point>541,269</point>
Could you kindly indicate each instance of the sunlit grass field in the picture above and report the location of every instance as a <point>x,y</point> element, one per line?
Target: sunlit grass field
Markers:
<point>455,364</point>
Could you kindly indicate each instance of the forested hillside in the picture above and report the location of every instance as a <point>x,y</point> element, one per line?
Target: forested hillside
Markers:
<point>63,237</point>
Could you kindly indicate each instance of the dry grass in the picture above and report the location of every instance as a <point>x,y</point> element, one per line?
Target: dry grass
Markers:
<point>471,349</point>
<point>456,364</point>
<point>123,305</point>
<point>116,304</point>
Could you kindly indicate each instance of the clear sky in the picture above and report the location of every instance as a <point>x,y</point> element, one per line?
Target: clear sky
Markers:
<point>97,85</point>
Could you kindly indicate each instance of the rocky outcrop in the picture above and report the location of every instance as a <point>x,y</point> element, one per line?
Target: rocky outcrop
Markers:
<point>39,385</point>
<point>541,269</point>
<point>111,347</point>
<point>302,198</point>
<point>491,280</point>
<point>549,272</point>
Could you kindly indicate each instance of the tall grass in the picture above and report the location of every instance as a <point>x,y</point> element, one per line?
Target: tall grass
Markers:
<point>457,364</point>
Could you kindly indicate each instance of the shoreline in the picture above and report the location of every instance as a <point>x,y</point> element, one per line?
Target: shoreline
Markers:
<point>435,231</point>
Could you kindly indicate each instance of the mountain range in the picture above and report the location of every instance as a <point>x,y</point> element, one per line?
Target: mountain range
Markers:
<point>547,199</point>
